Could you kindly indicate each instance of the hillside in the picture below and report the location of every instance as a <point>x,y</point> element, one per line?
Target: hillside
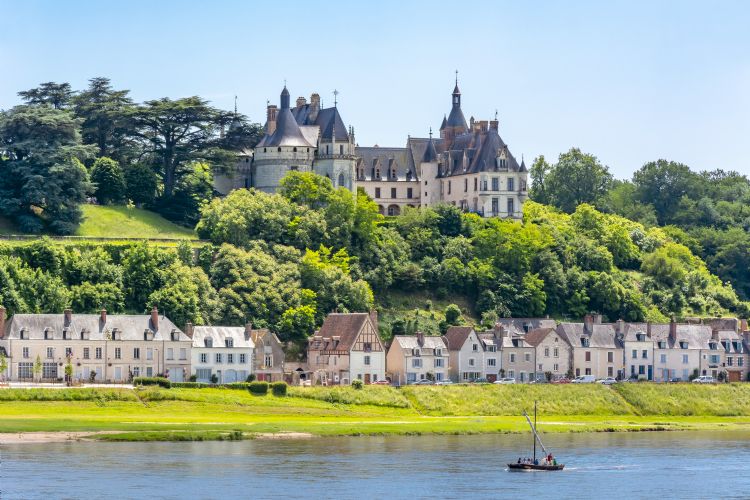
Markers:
<point>118,222</point>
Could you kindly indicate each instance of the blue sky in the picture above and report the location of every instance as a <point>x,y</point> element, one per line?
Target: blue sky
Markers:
<point>627,81</point>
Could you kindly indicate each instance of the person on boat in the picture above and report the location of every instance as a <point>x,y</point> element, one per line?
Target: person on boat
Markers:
<point>519,460</point>
<point>549,458</point>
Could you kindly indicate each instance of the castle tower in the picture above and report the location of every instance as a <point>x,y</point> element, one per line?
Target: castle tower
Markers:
<point>455,125</point>
<point>335,158</point>
<point>428,174</point>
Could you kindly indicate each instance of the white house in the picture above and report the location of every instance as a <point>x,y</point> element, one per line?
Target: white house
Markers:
<point>416,357</point>
<point>468,359</point>
<point>224,351</point>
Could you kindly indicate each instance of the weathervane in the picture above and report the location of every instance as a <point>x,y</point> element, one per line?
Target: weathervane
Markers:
<point>456,77</point>
<point>430,132</point>
<point>335,97</point>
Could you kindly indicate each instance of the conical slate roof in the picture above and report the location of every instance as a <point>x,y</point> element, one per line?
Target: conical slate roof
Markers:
<point>430,155</point>
<point>287,131</point>
<point>445,123</point>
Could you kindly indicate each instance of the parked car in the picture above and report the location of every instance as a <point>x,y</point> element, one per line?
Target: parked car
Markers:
<point>563,380</point>
<point>444,382</point>
<point>584,379</point>
<point>704,379</point>
<point>675,380</point>
<point>608,381</point>
<point>382,382</point>
<point>506,380</point>
<point>480,380</point>
<point>424,381</point>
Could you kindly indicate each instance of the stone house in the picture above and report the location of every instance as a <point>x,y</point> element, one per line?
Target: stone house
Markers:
<point>466,355</point>
<point>112,347</point>
<point>347,347</point>
<point>417,357</point>
<point>224,351</point>
<point>597,348</point>
<point>552,353</point>
<point>517,356</point>
<point>268,355</point>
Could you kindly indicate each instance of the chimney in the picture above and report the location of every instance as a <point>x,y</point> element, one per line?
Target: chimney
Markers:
<point>189,329</point>
<point>648,329</point>
<point>588,323</point>
<point>301,101</point>
<point>494,124</point>
<point>483,125</point>
<point>673,330</point>
<point>314,106</point>
<point>620,327</point>
<point>743,326</point>
<point>155,319</point>
<point>498,332</point>
<point>271,111</point>
<point>420,339</point>
<point>715,333</point>
<point>248,330</point>
<point>374,318</point>
<point>103,316</point>
<point>2,322</point>
<point>68,316</point>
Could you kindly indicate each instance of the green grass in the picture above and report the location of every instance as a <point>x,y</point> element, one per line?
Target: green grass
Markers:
<point>212,414</point>
<point>124,222</point>
<point>420,307</point>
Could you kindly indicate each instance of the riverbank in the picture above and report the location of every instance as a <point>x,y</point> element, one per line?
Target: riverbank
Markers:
<point>155,414</point>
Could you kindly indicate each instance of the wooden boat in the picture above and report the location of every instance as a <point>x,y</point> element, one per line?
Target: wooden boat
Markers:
<point>534,465</point>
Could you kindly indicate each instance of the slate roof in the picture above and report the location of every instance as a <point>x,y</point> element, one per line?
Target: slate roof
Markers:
<point>219,334</point>
<point>130,326</point>
<point>456,336</point>
<point>287,131</point>
<point>477,151</point>
<point>344,326</point>
<point>330,121</point>
<point>603,335</point>
<point>409,342</point>
<point>430,154</point>
<point>371,158</point>
<point>517,325</point>
<point>535,337</point>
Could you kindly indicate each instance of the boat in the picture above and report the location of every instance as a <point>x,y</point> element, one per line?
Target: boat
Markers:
<point>534,465</point>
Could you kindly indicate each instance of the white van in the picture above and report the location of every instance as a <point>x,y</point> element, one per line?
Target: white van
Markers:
<point>584,379</point>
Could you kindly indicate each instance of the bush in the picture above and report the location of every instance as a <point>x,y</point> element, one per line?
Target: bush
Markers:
<point>191,385</point>
<point>160,381</point>
<point>214,378</point>
<point>193,378</point>
<point>357,384</point>
<point>250,378</point>
<point>279,388</point>
<point>258,388</point>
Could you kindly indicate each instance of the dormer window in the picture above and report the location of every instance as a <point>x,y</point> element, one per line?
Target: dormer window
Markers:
<point>438,351</point>
<point>683,345</point>
<point>712,346</point>
<point>367,346</point>
<point>662,344</point>
<point>725,345</point>
<point>47,334</point>
<point>116,335</point>
<point>174,335</point>
<point>641,337</point>
<point>229,343</point>
<point>585,342</point>
<point>24,334</point>
<point>416,352</point>
<point>208,342</point>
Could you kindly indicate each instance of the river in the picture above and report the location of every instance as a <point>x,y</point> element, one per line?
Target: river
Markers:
<point>619,465</point>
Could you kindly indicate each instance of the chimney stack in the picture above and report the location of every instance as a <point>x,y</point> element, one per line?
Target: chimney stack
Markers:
<point>189,329</point>
<point>620,326</point>
<point>68,313</point>
<point>673,330</point>
<point>301,101</point>
<point>271,112</point>
<point>715,333</point>
<point>103,316</point>
<point>494,124</point>
<point>498,332</point>
<point>374,319</point>
<point>248,330</point>
<point>2,322</point>
<point>420,338</point>
<point>155,319</point>
<point>743,325</point>
<point>588,324</point>
<point>314,106</point>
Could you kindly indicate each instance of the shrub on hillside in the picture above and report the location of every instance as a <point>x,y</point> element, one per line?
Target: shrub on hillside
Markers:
<point>279,388</point>
<point>250,378</point>
<point>258,388</point>
<point>160,381</point>
<point>357,384</point>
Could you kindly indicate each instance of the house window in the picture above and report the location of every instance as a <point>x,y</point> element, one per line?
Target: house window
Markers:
<point>49,370</point>
<point>546,352</point>
<point>557,351</point>
<point>713,359</point>
<point>203,374</point>
<point>170,353</point>
<point>229,343</point>
<point>50,352</point>
<point>641,370</point>
<point>118,353</point>
<point>491,362</point>
<point>510,184</point>
<point>393,192</point>
<point>439,362</point>
<point>527,357</point>
<point>26,352</point>
<point>466,185</point>
<point>218,357</point>
<point>684,359</point>
<point>663,358</point>
<point>474,347</point>
<point>475,183</point>
<point>511,207</point>
<point>635,353</point>
<point>68,352</point>
<point>644,354</point>
<point>136,353</point>
<point>610,357</point>
<point>495,184</point>
<point>610,371</point>
<point>555,367</point>
<point>367,360</point>
<point>409,192</point>
<point>495,206</point>
<point>471,361</point>
<point>740,361</point>
<point>588,371</point>
<point>588,355</point>
<point>449,187</point>
<point>98,353</point>
<point>377,192</point>
<point>230,358</point>
<point>730,361</point>
<point>243,359</point>
<point>149,354</point>
<point>511,374</point>
<point>203,357</point>
<point>416,363</point>
<point>136,371</point>
<point>341,152</point>
<point>268,361</point>
<point>25,370</point>
<point>512,357</point>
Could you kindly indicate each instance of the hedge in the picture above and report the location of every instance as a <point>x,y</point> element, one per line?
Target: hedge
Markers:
<point>258,388</point>
<point>160,381</point>
<point>279,388</point>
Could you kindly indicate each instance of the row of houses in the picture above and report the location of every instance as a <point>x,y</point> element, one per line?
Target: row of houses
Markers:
<point>347,347</point>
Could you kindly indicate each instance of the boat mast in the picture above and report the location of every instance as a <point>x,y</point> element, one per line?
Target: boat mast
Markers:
<point>534,431</point>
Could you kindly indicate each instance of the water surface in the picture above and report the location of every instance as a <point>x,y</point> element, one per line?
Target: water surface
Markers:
<point>624,465</point>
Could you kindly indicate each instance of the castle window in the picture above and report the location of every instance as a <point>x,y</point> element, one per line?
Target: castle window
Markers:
<point>341,149</point>
<point>466,185</point>
<point>511,208</point>
<point>294,149</point>
<point>327,150</point>
<point>279,149</point>
<point>265,150</point>
<point>377,173</point>
<point>393,192</point>
<point>510,184</point>
<point>377,192</point>
<point>409,192</point>
<point>475,183</point>
<point>341,180</point>
<point>449,187</point>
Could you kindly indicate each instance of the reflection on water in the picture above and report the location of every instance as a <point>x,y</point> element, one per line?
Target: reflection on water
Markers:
<point>638,465</point>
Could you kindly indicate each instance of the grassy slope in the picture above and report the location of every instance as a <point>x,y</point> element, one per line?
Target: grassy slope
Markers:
<point>414,305</point>
<point>119,222</point>
<point>193,414</point>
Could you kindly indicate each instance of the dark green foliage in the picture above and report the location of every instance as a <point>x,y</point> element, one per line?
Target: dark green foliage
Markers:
<point>160,381</point>
<point>140,184</point>
<point>358,384</point>
<point>109,180</point>
<point>258,388</point>
<point>279,388</point>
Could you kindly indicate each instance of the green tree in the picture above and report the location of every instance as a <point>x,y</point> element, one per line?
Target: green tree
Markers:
<point>140,183</point>
<point>576,178</point>
<point>453,314</point>
<point>50,94</point>
<point>296,324</point>
<point>109,180</point>
<point>37,368</point>
<point>662,184</point>
<point>91,298</point>
<point>539,172</point>
<point>105,118</point>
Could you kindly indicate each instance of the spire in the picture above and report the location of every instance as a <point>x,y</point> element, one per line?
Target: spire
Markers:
<point>285,97</point>
<point>455,89</point>
<point>445,123</point>
<point>430,155</point>
<point>456,117</point>
<point>235,105</point>
<point>335,97</point>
